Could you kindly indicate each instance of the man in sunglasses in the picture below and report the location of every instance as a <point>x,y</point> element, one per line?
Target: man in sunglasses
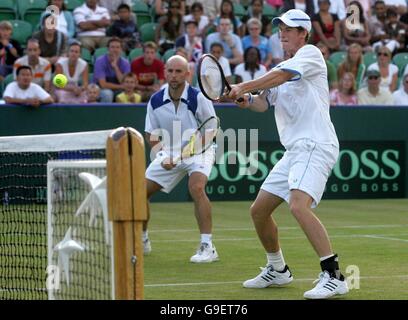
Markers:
<point>374,94</point>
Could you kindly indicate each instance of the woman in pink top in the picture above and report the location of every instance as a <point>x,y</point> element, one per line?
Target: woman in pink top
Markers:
<point>346,93</point>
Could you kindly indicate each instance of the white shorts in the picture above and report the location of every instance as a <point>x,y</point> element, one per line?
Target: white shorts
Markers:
<point>305,167</point>
<point>168,179</point>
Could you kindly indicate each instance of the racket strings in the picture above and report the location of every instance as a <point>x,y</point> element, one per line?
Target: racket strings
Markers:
<point>211,78</point>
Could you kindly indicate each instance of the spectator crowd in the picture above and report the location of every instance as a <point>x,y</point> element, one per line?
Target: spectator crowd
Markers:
<point>114,51</point>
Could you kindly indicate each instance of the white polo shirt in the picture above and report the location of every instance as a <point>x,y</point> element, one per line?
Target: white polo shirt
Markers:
<point>84,13</point>
<point>176,126</point>
<point>302,105</point>
<point>33,91</point>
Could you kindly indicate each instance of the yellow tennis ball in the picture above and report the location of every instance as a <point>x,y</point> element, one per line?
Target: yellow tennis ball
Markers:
<point>60,80</point>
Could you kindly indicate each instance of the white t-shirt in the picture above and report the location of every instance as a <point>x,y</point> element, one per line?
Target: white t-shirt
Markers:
<point>302,105</point>
<point>224,63</point>
<point>395,3</point>
<point>33,91</point>
<point>176,127</point>
<point>62,25</point>
<point>400,97</point>
<point>246,75</point>
<point>276,46</point>
<point>84,13</point>
<point>392,69</point>
<point>81,65</point>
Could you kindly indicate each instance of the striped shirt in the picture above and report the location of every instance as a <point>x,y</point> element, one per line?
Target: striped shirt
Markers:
<point>41,72</point>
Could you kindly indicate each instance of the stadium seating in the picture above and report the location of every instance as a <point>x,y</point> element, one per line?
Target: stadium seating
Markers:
<point>31,10</point>
<point>270,11</point>
<point>7,80</point>
<point>338,57</point>
<point>136,52</point>
<point>7,10</point>
<point>142,13</point>
<point>401,60</point>
<point>168,54</point>
<point>71,5</point>
<point>239,10</point>
<point>22,30</point>
<point>147,32</point>
<point>369,58</point>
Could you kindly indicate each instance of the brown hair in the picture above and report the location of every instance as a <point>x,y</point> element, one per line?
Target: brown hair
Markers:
<point>150,44</point>
<point>353,79</point>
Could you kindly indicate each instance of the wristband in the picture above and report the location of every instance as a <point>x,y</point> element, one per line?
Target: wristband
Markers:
<point>9,46</point>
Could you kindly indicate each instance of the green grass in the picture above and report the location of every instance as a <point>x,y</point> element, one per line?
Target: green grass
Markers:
<point>369,234</point>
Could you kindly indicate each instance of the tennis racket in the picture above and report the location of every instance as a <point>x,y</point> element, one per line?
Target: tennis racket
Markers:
<point>211,78</point>
<point>201,140</point>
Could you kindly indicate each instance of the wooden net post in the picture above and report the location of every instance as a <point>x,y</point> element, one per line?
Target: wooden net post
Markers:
<point>126,188</point>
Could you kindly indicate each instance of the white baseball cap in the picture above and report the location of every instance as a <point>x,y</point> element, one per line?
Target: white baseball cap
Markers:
<point>294,18</point>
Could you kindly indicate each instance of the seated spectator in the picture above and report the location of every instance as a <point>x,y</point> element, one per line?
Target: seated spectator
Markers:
<point>76,71</point>
<point>109,70</point>
<point>326,26</point>
<point>276,48</point>
<point>233,50</point>
<point>365,4</point>
<point>162,7</point>
<point>331,69</point>
<point>395,30</point>
<point>373,94</point>
<point>211,8</point>
<point>129,85</point>
<point>40,67</point>
<point>65,22</point>
<point>251,68</point>
<point>149,71</point>
<point>377,24</point>
<point>255,39</point>
<point>93,93</point>
<point>401,95</point>
<point>169,27</point>
<point>91,21</point>
<point>255,10</point>
<point>400,6</point>
<point>354,63</point>
<point>113,8</point>
<point>227,11</point>
<point>53,43</point>
<point>217,50</point>
<point>277,4</point>
<point>23,91</point>
<point>307,6</point>
<point>356,31</point>
<point>191,41</point>
<point>337,8</point>
<point>125,28</point>
<point>388,70</point>
<point>10,49</point>
<point>197,15</point>
<point>346,93</point>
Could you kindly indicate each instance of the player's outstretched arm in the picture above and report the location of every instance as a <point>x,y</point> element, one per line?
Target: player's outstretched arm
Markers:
<point>271,79</point>
<point>256,103</point>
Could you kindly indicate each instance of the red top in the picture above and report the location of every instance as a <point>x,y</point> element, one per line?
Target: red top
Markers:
<point>147,75</point>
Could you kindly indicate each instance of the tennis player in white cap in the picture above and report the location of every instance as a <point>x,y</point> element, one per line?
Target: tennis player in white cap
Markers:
<point>299,91</point>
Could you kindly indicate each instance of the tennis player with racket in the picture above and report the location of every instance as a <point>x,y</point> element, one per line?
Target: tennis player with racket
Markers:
<point>299,91</point>
<point>187,124</point>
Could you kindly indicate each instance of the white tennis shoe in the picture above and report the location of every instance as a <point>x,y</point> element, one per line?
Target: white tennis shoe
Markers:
<point>327,287</point>
<point>147,247</point>
<point>270,277</point>
<point>205,254</point>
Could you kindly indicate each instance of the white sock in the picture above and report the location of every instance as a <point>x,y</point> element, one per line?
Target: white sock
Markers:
<point>276,260</point>
<point>206,238</point>
<point>145,235</point>
<point>326,257</point>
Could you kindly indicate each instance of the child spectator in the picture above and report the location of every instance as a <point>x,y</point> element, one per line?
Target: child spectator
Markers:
<point>354,63</point>
<point>125,28</point>
<point>10,50</point>
<point>128,95</point>
<point>346,93</point>
<point>93,93</point>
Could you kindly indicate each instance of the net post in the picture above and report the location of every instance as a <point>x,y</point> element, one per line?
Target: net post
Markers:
<point>126,189</point>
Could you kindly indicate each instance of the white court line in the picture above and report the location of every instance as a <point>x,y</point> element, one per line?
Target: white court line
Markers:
<point>374,236</point>
<point>370,226</point>
<point>235,282</point>
<point>385,238</point>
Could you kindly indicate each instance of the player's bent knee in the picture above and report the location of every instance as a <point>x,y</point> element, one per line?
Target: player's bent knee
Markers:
<point>197,190</point>
<point>297,208</point>
<point>257,213</point>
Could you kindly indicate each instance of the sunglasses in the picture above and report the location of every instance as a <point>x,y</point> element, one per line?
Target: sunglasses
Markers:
<point>373,78</point>
<point>382,54</point>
